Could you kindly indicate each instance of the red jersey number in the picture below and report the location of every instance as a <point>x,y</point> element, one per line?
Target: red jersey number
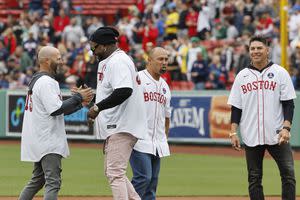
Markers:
<point>138,80</point>
<point>28,103</point>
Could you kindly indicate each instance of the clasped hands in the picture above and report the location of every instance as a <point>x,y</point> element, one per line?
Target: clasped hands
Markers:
<point>86,93</point>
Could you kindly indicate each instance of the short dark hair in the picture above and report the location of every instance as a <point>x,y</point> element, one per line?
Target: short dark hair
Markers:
<point>259,38</point>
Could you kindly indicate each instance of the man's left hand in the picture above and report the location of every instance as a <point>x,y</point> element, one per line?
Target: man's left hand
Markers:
<point>284,136</point>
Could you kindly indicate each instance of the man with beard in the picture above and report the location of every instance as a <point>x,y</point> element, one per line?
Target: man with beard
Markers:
<point>119,111</point>
<point>145,157</point>
<point>44,140</point>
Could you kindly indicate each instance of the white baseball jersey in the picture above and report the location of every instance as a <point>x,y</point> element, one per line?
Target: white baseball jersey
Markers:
<point>157,98</point>
<point>41,133</point>
<point>118,71</point>
<point>258,95</point>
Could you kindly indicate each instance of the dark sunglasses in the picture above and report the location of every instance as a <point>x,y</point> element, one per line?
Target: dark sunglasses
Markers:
<point>94,48</point>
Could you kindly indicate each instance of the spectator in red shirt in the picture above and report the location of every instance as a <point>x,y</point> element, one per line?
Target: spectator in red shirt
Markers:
<point>141,5</point>
<point>123,41</point>
<point>191,21</point>
<point>10,40</point>
<point>60,22</point>
<point>229,9</point>
<point>265,25</point>
<point>150,34</point>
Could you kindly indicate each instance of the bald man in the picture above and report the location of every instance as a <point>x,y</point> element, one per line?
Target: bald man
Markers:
<point>44,140</point>
<point>146,154</point>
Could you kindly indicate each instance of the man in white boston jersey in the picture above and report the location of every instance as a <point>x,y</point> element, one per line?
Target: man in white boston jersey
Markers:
<point>262,104</point>
<point>145,158</point>
<point>44,140</point>
<point>119,112</point>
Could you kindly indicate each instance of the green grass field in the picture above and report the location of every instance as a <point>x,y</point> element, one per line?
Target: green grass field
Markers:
<point>181,174</point>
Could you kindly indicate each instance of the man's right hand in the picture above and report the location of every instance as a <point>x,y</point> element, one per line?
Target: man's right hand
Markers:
<point>92,114</point>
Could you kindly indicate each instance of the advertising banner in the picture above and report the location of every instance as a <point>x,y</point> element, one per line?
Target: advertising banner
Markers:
<point>197,117</point>
<point>16,107</point>
<point>200,118</point>
<point>76,124</point>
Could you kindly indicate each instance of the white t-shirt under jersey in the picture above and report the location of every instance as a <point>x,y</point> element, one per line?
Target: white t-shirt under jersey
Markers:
<point>157,98</point>
<point>258,95</point>
<point>41,133</point>
<point>118,71</point>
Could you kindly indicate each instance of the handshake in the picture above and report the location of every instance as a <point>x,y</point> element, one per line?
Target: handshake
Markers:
<point>86,93</point>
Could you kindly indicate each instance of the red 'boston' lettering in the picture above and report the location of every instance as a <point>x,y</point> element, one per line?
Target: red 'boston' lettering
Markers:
<point>273,85</point>
<point>266,85</point>
<point>155,96</point>
<point>146,96</point>
<point>244,89</point>
<point>255,85</point>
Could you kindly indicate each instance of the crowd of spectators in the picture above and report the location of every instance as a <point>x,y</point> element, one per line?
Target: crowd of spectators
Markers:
<point>206,39</point>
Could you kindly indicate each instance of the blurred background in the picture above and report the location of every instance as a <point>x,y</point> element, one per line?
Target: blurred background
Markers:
<point>210,33</point>
<point>207,41</point>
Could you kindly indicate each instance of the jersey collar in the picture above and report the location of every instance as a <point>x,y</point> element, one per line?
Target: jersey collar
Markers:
<point>268,65</point>
<point>148,74</point>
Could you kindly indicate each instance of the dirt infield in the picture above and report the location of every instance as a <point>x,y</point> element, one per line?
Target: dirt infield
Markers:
<point>159,198</point>
<point>189,149</point>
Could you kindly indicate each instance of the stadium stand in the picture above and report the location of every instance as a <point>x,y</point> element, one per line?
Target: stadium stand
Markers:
<point>207,40</point>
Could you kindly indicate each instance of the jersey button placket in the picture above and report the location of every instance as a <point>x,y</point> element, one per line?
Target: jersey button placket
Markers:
<point>155,123</point>
<point>261,115</point>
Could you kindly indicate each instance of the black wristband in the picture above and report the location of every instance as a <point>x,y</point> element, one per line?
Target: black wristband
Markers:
<point>287,128</point>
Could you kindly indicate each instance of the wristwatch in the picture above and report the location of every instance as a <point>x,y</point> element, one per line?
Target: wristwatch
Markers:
<point>287,128</point>
<point>96,108</point>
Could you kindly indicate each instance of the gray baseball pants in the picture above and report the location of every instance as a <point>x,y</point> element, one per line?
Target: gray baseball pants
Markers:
<point>45,172</point>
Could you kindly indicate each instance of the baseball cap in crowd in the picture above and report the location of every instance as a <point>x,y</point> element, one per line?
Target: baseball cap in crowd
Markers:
<point>105,35</point>
<point>195,39</point>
